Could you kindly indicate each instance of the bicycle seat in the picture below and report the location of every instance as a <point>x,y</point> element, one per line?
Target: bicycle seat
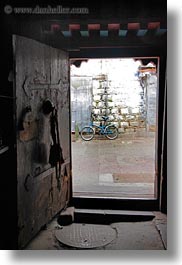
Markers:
<point>105,118</point>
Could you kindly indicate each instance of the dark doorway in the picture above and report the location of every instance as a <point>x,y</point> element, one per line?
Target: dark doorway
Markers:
<point>126,91</point>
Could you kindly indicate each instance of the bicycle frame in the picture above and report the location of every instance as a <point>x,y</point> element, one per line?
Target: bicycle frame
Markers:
<point>100,127</point>
<point>109,130</point>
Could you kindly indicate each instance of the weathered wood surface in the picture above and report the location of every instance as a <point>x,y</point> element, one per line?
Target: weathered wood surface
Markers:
<point>42,72</point>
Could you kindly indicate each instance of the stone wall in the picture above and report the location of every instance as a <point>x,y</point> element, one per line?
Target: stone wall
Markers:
<point>151,102</point>
<point>128,98</point>
<point>123,104</point>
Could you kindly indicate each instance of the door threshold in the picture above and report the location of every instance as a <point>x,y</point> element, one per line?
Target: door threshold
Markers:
<point>117,203</point>
<point>94,216</point>
<point>113,196</point>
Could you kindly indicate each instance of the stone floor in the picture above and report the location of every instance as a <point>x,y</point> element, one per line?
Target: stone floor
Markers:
<point>120,168</point>
<point>148,235</point>
<point>123,167</point>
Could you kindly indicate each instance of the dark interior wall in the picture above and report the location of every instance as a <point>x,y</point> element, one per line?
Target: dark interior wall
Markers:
<point>103,12</point>
<point>6,89</point>
<point>106,9</point>
<point>8,193</point>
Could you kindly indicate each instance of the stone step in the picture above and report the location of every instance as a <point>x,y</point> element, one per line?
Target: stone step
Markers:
<point>95,216</point>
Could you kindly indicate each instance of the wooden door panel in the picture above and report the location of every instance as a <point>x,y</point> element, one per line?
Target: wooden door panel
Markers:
<point>41,72</point>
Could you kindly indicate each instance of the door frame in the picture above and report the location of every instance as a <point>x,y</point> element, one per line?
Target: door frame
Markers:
<point>144,204</point>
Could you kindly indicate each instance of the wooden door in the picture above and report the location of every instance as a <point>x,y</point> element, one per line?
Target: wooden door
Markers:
<point>41,75</point>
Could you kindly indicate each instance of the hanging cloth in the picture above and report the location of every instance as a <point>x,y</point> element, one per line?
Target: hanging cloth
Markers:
<point>56,156</point>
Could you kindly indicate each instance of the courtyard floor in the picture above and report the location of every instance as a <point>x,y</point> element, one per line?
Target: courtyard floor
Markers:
<point>124,167</point>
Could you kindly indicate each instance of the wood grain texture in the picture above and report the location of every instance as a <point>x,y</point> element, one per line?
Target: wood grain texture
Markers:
<point>42,72</point>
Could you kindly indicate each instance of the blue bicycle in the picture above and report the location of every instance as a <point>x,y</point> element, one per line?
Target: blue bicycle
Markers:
<point>110,131</point>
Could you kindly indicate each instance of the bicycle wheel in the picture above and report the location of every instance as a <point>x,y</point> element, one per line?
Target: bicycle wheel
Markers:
<point>111,132</point>
<point>87,133</point>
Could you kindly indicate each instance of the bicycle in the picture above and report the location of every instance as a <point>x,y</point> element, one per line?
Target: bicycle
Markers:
<point>110,131</point>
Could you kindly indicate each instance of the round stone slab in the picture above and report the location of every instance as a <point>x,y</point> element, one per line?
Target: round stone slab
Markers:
<point>85,235</point>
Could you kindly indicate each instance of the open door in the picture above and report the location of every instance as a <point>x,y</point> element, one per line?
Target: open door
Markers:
<point>41,91</point>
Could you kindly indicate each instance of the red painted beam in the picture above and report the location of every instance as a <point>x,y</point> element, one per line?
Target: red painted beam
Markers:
<point>113,26</point>
<point>93,26</point>
<point>74,26</point>
<point>133,26</point>
<point>153,25</point>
